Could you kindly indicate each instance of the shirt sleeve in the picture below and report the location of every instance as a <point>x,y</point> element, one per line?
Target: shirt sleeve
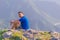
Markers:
<point>20,20</point>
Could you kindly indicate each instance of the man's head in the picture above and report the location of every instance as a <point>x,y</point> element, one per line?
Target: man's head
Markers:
<point>20,14</point>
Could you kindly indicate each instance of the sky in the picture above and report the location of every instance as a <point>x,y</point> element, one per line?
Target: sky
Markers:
<point>41,13</point>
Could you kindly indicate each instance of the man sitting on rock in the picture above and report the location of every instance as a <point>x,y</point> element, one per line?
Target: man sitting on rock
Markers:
<point>21,23</point>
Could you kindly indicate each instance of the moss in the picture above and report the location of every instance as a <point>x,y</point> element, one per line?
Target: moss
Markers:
<point>15,38</point>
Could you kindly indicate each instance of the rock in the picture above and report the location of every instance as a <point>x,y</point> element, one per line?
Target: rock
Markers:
<point>7,34</point>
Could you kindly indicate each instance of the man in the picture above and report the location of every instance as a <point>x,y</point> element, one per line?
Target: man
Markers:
<point>24,21</point>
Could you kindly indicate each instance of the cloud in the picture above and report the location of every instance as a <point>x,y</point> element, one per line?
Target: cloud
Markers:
<point>41,12</point>
<point>57,24</point>
<point>56,1</point>
<point>1,21</point>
